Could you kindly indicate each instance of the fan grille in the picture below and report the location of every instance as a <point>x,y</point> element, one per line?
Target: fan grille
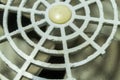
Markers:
<point>63,35</point>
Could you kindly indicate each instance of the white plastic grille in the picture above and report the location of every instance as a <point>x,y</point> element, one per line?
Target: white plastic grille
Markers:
<point>64,34</point>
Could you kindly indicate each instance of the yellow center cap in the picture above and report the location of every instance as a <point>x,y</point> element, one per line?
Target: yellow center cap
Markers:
<point>60,14</point>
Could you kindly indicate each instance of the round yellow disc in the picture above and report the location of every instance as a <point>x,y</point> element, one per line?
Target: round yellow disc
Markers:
<point>60,14</point>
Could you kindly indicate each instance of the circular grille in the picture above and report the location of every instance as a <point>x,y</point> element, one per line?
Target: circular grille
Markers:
<point>63,35</point>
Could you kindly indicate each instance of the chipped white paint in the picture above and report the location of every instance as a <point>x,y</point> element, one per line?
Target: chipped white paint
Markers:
<point>63,38</point>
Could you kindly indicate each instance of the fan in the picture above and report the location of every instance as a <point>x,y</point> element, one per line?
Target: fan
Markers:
<point>60,38</point>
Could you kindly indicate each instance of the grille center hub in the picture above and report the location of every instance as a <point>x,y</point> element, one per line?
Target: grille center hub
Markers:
<point>60,14</point>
